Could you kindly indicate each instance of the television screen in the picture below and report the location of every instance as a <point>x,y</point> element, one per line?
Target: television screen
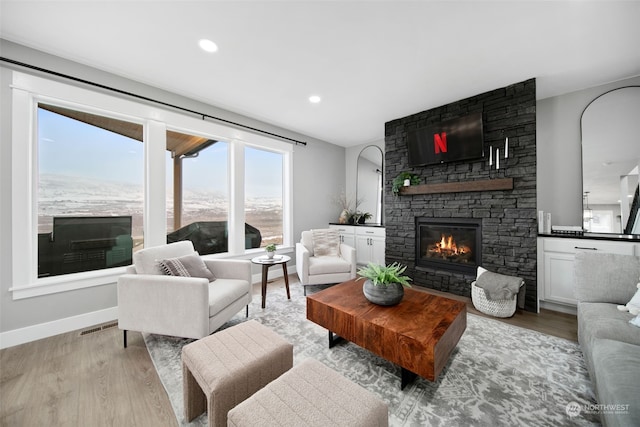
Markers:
<point>449,141</point>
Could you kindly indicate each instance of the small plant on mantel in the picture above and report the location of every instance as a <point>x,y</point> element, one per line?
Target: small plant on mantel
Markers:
<point>398,181</point>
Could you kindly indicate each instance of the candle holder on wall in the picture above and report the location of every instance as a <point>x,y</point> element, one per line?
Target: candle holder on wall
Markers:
<point>498,156</point>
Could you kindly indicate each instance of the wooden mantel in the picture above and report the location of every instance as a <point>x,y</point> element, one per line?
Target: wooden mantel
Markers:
<point>459,187</point>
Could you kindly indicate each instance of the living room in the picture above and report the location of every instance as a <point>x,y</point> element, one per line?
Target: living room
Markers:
<point>320,170</point>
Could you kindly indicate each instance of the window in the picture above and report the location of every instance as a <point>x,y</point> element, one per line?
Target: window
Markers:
<point>98,172</point>
<point>601,222</point>
<point>90,191</point>
<point>198,201</point>
<point>264,194</point>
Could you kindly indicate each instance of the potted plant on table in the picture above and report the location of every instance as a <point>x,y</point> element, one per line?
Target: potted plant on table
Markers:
<point>271,250</point>
<point>384,284</point>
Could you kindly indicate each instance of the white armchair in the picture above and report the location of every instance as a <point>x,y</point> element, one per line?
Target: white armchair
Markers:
<point>321,270</point>
<point>189,307</point>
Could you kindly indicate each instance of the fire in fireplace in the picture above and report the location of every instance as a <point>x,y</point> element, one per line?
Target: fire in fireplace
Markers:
<point>449,244</point>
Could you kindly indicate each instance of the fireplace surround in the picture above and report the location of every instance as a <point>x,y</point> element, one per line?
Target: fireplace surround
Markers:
<point>449,244</point>
<point>508,215</point>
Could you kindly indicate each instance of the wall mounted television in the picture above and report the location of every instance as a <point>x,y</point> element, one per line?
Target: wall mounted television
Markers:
<point>448,141</point>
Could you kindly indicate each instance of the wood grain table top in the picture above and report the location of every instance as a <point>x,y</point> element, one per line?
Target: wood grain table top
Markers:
<point>418,334</point>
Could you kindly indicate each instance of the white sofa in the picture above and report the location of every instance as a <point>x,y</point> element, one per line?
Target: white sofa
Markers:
<point>189,307</point>
<point>322,270</point>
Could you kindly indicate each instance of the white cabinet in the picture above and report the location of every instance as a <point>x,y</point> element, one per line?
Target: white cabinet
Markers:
<point>558,277</point>
<point>556,256</point>
<point>347,234</point>
<point>370,242</point>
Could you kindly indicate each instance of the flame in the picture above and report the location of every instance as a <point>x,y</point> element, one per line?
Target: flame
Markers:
<point>447,248</point>
<point>448,244</point>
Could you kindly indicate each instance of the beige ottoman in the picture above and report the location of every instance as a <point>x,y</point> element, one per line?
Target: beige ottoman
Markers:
<point>311,395</point>
<point>223,369</point>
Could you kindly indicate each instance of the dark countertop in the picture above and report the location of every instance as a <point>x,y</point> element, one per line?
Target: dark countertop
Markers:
<point>596,236</point>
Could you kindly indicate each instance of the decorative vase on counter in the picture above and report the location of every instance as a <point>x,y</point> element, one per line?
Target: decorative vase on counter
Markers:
<point>389,294</point>
<point>344,217</point>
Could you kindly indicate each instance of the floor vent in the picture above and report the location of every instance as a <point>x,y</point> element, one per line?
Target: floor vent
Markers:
<point>98,328</point>
<point>110,325</point>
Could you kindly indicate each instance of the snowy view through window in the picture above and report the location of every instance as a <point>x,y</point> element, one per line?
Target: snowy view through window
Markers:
<point>84,171</point>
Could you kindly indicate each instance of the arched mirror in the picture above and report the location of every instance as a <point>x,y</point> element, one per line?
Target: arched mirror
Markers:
<point>369,183</point>
<point>610,127</point>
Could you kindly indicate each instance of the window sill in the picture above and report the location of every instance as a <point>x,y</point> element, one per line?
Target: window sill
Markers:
<point>250,253</point>
<point>89,279</point>
<point>67,282</point>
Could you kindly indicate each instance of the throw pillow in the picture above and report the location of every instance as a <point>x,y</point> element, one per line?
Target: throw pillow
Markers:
<point>633,306</point>
<point>635,321</point>
<point>186,266</point>
<point>326,242</point>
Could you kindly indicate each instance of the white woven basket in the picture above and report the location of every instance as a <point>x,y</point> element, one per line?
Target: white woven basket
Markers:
<point>497,308</point>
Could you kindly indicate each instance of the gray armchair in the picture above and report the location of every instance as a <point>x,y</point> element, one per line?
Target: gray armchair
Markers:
<point>320,270</point>
<point>189,307</point>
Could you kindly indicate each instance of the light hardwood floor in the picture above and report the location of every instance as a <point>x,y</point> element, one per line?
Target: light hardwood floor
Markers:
<point>91,380</point>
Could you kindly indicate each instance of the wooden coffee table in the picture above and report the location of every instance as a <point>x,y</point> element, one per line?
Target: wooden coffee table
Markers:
<point>418,334</point>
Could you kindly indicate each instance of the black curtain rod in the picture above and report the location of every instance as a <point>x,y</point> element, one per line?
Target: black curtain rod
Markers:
<point>134,95</point>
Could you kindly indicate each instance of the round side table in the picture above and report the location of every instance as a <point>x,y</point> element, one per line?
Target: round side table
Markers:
<point>268,262</point>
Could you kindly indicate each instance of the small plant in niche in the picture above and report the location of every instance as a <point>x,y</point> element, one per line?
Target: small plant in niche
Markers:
<point>399,180</point>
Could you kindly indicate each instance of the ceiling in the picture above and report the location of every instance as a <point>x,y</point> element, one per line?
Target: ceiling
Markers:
<point>371,62</point>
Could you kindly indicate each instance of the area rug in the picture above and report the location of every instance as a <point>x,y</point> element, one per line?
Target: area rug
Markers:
<point>498,375</point>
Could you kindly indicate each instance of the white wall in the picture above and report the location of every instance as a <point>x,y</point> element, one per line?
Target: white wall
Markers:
<point>559,152</point>
<point>318,175</point>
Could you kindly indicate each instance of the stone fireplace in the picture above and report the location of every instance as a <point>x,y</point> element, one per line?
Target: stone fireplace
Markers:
<point>506,235</point>
<point>449,244</point>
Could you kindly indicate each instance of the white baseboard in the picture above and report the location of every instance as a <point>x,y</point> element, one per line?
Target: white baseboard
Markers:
<point>61,326</point>
<point>49,329</point>
<point>569,309</point>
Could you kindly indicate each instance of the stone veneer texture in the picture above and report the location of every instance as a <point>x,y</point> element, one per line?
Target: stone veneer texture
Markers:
<point>509,223</point>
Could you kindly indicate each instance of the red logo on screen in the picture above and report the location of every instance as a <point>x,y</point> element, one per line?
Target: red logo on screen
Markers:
<point>440,142</point>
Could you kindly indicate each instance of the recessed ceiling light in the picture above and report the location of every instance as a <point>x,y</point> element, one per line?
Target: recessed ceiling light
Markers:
<point>208,45</point>
<point>314,99</point>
